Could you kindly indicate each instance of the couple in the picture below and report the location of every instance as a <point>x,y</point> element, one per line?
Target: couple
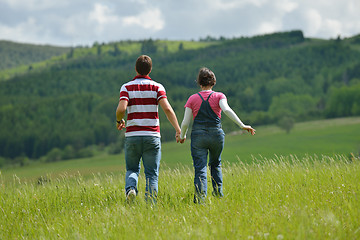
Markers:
<point>140,98</point>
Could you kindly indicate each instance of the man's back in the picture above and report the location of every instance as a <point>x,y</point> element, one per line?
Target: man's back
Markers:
<point>142,95</point>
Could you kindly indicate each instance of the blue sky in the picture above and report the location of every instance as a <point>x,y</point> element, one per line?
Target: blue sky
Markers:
<point>82,22</point>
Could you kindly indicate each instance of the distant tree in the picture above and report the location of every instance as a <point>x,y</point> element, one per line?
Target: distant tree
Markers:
<point>116,51</point>
<point>22,160</point>
<point>70,54</point>
<point>68,152</point>
<point>166,49</point>
<point>181,46</point>
<point>54,155</point>
<point>289,104</point>
<point>2,162</point>
<point>286,123</point>
<point>338,39</point>
<point>148,47</point>
<point>85,152</point>
<point>208,39</point>
<point>345,78</point>
<point>355,110</point>
<point>343,101</point>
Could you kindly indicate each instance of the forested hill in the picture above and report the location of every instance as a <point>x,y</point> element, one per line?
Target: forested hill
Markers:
<point>16,54</point>
<point>61,107</point>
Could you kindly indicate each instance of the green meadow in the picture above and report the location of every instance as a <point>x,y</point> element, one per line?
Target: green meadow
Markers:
<point>323,137</point>
<point>302,185</point>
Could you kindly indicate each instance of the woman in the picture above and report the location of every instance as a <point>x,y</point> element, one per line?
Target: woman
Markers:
<point>207,136</point>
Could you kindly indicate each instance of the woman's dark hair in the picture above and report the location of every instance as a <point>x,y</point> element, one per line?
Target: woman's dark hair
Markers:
<point>206,77</point>
<point>143,65</point>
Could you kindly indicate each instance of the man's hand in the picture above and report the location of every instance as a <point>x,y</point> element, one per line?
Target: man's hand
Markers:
<point>177,137</point>
<point>120,125</point>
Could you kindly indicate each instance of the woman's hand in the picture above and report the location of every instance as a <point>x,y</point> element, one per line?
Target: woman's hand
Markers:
<point>250,130</point>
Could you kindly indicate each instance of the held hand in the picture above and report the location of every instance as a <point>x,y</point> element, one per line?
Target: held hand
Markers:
<point>120,125</point>
<point>250,130</point>
<point>177,137</point>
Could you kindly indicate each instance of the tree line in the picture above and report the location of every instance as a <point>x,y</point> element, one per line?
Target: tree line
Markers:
<point>67,108</point>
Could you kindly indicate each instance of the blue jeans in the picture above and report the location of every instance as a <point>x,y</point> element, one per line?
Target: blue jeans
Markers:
<point>206,142</point>
<point>149,149</point>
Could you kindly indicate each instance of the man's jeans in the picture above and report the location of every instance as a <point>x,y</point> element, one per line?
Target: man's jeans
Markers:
<point>149,149</point>
<point>203,142</point>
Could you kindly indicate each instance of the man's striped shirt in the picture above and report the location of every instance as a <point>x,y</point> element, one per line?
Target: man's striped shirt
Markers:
<point>143,95</point>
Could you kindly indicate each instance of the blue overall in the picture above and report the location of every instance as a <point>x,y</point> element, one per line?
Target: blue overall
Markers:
<point>207,137</point>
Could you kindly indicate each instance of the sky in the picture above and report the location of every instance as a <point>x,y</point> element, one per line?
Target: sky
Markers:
<point>83,22</point>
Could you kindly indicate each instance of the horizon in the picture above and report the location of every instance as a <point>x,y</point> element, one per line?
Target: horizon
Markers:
<point>73,23</point>
<point>191,40</point>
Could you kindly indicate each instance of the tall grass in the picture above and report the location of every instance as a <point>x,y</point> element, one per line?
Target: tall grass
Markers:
<point>270,198</point>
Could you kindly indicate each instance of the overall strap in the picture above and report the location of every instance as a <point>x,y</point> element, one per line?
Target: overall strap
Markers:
<point>207,98</point>
<point>201,96</point>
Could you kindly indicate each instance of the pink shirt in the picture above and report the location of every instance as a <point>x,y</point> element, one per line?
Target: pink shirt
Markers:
<point>194,102</point>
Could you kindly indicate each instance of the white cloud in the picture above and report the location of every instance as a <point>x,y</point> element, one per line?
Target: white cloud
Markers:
<point>35,5</point>
<point>21,32</point>
<point>257,3</point>
<point>143,2</point>
<point>226,5</point>
<point>77,25</point>
<point>286,5</point>
<point>84,22</point>
<point>102,14</point>
<point>150,19</point>
<point>268,27</point>
<point>313,22</point>
<point>332,27</point>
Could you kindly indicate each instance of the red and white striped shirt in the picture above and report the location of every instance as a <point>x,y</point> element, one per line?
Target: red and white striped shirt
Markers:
<point>143,95</point>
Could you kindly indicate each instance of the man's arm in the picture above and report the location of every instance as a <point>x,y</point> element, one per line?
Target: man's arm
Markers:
<point>120,114</point>
<point>171,116</point>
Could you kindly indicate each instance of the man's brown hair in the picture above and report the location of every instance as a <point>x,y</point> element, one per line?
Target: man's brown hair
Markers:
<point>143,65</point>
<point>206,77</point>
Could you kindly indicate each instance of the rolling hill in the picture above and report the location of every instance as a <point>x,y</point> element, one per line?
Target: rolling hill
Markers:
<point>60,107</point>
<point>14,54</point>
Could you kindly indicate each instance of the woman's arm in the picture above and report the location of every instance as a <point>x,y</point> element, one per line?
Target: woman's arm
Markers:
<point>232,115</point>
<point>188,116</point>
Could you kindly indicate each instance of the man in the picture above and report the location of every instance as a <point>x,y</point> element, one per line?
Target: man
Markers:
<point>140,98</point>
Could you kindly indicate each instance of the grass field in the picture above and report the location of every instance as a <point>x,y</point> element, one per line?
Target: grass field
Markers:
<point>323,137</point>
<point>280,198</point>
<point>301,185</point>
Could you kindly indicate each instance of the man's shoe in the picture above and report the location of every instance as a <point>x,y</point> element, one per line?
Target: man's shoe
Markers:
<point>131,195</point>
